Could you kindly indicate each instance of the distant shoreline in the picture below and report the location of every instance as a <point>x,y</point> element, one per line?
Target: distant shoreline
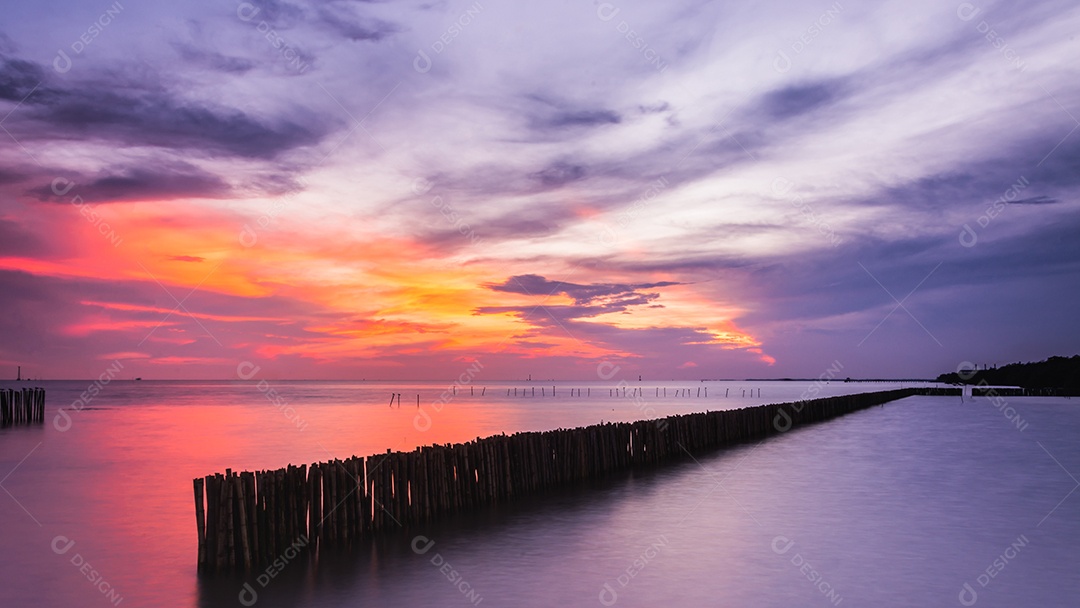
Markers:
<point>492,381</point>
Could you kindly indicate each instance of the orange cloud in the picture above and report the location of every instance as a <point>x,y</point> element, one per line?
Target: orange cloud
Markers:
<point>354,293</point>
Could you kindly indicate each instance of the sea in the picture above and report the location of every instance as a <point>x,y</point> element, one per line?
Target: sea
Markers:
<point>925,501</point>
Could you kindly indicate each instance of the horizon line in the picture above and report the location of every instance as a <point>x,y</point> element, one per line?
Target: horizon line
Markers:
<point>252,380</point>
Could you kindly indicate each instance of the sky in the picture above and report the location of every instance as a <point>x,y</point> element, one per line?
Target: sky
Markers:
<point>409,190</point>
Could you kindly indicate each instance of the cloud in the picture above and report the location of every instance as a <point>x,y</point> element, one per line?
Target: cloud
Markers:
<point>1036,200</point>
<point>796,100</point>
<point>895,141</point>
<point>7,45</point>
<point>549,115</point>
<point>584,118</point>
<point>472,228</point>
<point>342,19</point>
<point>133,112</point>
<point>213,59</point>
<point>536,285</point>
<point>158,120</point>
<point>279,13</point>
<point>559,174</point>
<point>11,176</point>
<point>161,181</point>
<point>590,301</point>
<point>656,108</point>
<point>16,241</point>
<point>18,78</point>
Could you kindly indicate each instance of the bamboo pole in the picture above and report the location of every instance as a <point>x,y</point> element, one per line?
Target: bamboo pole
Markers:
<point>200,521</point>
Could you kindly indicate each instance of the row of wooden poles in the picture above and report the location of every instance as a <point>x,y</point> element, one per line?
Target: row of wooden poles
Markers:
<point>618,391</point>
<point>22,406</point>
<point>985,391</point>
<point>248,520</point>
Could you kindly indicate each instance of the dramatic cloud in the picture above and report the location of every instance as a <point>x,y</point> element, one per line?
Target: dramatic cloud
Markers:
<point>795,100</point>
<point>340,17</point>
<point>162,182</point>
<point>693,189</point>
<point>131,112</point>
<point>531,284</point>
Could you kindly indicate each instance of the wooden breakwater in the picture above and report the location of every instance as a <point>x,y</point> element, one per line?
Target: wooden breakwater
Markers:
<point>250,519</point>
<point>22,406</point>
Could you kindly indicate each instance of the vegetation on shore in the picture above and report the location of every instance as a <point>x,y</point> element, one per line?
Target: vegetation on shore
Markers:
<point>1055,372</point>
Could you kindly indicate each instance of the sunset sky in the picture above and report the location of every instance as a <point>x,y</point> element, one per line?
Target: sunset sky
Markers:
<point>398,190</point>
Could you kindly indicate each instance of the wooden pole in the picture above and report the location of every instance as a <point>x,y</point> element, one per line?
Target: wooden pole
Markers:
<point>245,541</point>
<point>200,522</point>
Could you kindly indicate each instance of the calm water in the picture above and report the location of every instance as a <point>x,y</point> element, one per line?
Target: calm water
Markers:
<point>895,506</point>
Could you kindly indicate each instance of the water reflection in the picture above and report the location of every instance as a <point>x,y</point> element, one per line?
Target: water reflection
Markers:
<point>900,505</point>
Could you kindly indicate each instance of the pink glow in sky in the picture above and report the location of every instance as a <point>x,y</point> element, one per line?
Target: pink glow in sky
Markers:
<point>366,190</point>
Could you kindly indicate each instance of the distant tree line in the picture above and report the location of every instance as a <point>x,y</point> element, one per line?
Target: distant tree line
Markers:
<point>1055,372</point>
